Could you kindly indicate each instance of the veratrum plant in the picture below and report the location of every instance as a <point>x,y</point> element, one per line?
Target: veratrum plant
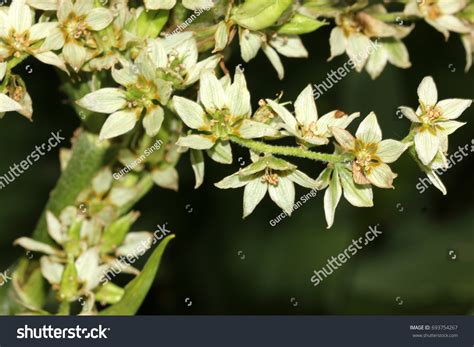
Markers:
<point>157,70</point>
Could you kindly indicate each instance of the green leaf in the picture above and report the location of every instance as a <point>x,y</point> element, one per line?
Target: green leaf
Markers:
<point>136,290</point>
<point>300,24</point>
<point>29,284</point>
<point>260,14</point>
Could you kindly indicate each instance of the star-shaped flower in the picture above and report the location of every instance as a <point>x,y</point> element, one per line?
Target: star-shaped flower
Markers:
<point>371,154</point>
<point>19,36</point>
<point>433,121</point>
<point>441,14</point>
<point>268,174</point>
<point>306,126</point>
<point>226,112</point>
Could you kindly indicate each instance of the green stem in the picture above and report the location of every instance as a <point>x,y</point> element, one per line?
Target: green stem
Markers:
<point>394,17</point>
<point>261,147</point>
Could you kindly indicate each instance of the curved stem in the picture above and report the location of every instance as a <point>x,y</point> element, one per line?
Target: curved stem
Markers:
<point>261,147</point>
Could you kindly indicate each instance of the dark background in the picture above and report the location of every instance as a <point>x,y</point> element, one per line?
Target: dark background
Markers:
<point>405,271</point>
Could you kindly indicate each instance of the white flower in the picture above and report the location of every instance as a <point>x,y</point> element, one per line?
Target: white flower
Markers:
<point>441,14</point>
<point>371,154</point>
<point>126,106</point>
<point>433,121</point>
<point>226,112</point>
<point>307,127</point>
<point>19,36</point>
<point>176,58</point>
<point>287,45</point>
<point>337,178</point>
<point>268,174</point>
<point>77,24</point>
<point>7,104</point>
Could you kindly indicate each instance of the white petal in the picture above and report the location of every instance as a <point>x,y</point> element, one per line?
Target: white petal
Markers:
<point>305,107</point>
<point>283,194</point>
<point>118,123</point>
<point>426,145</point>
<point>251,129</point>
<point>338,42</point>
<point>211,92</point>
<point>221,152</point>
<point>409,113</point>
<point>289,45</point>
<point>65,7</point>
<point>55,229</point>
<point>275,60</point>
<point>239,96</point>
<point>381,176</point>
<point>369,130</point>
<point>7,104</point>
<point>302,179</point>
<point>436,181</point>
<point>190,112</point>
<point>159,4</point>
<point>106,100</point>
<point>35,246</point>
<point>20,16</point>
<point>358,50</point>
<point>390,150</point>
<point>167,178</point>
<point>450,6</point>
<point>75,55</point>
<point>98,19</point>
<point>452,23</point>
<point>250,44</point>
<point>195,141</point>
<point>450,127</point>
<point>153,120</point>
<point>198,4</point>
<point>52,59</point>
<point>398,54</point>
<point>427,92</point>
<point>41,30</point>
<point>195,72</point>
<point>453,108</point>
<point>285,115</point>
<point>358,195</point>
<point>51,270</point>
<point>45,5</point>
<point>232,181</point>
<point>344,138</point>
<point>197,163</point>
<point>377,62</point>
<point>331,198</point>
<point>254,192</point>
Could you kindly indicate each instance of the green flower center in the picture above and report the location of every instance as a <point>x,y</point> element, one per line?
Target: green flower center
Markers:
<point>366,155</point>
<point>18,42</point>
<point>430,115</point>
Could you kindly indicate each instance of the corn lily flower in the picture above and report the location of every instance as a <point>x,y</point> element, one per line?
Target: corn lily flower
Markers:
<point>433,121</point>
<point>176,58</point>
<point>20,36</point>
<point>267,174</point>
<point>357,33</point>
<point>126,106</point>
<point>77,24</point>
<point>306,126</point>
<point>337,179</point>
<point>440,14</point>
<point>226,112</point>
<point>371,154</point>
<point>289,46</point>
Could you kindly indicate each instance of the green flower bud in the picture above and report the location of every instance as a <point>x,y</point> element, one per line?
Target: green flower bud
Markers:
<point>69,283</point>
<point>109,293</point>
<point>260,14</point>
<point>150,23</point>
<point>299,24</point>
<point>116,232</point>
